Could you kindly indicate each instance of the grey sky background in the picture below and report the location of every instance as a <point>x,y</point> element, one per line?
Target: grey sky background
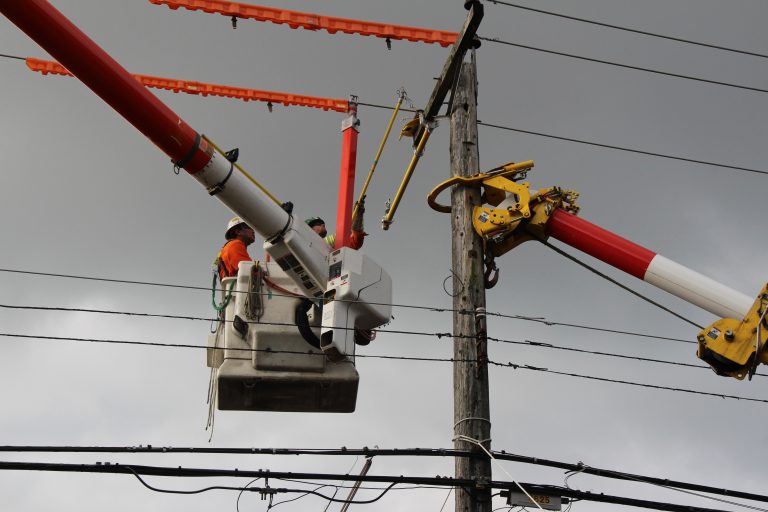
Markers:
<point>84,193</point>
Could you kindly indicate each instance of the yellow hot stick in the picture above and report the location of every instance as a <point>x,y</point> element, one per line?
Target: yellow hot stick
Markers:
<point>378,155</point>
<point>387,220</point>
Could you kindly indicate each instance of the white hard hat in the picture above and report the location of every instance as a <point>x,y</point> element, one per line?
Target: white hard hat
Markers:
<point>233,223</point>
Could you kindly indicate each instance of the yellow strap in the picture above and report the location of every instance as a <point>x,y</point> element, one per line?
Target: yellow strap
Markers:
<point>251,178</point>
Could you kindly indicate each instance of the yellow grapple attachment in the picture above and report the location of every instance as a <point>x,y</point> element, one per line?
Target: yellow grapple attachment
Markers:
<point>508,204</point>
<point>735,348</point>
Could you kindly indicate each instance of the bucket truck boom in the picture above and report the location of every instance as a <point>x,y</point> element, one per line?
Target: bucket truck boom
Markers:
<point>301,257</point>
<point>512,213</point>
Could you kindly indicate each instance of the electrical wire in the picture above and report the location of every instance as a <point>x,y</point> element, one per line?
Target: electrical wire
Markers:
<point>620,285</point>
<point>400,358</point>
<point>633,30</point>
<point>12,56</point>
<point>700,495</point>
<point>625,66</point>
<point>395,452</point>
<point>529,343</point>
<point>406,306</point>
<point>137,471</point>
<point>620,148</point>
<point>529,132</point>
<point>239,495</point>
<point>606,146</point>
<point>262,490</point>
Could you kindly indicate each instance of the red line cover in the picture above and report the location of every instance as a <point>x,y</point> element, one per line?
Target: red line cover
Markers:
<point>108,79</point>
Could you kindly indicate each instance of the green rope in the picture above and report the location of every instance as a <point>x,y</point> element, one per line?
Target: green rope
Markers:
<point>227,298</point>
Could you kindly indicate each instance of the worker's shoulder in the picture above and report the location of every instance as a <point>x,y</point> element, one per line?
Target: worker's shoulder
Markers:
<point>233,245</point>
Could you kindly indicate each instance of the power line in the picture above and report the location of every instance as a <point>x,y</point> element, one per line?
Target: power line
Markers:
<point>621,148</point>
<point>12,57</point>
<point>601,145</point>
<point>408,306</point>
<point>393,452</point>
<point>633,30</point>
<point>116,468</point>
<point>626,66</point>
<point>589,327</point>
<point>397,358</point>
<point>623,287</point>
<point>420,333</point>
<point>529,132</point>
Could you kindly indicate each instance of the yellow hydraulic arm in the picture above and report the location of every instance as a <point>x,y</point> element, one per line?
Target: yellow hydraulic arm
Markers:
<point>511,213</point>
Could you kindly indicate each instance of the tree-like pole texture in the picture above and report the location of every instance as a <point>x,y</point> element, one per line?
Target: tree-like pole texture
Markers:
<point>471,411</point>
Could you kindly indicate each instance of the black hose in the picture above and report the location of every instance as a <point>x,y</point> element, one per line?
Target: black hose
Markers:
<point>302,322</point>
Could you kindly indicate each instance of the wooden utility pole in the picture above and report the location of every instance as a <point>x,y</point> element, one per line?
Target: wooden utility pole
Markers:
<point>471,409</point>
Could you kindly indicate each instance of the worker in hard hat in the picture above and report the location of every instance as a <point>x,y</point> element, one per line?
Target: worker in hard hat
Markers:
<point>357,235</point>
<point>239,236</point>
<point>362,336</point>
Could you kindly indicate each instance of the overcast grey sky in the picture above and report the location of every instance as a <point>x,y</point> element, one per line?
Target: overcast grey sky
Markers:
<point>84,193</point>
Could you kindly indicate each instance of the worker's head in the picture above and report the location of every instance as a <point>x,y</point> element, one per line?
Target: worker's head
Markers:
<point>238,229</point>
<point>318,226</point>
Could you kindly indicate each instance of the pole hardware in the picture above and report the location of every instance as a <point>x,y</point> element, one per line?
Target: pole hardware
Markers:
<point>445,82</point>
<point>510,213</point>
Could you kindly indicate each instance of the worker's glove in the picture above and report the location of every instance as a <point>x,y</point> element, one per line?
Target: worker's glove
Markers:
<point>357,222</point>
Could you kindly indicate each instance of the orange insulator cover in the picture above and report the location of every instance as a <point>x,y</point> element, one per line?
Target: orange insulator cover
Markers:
<point>190,87</point>
<point>309,21</point>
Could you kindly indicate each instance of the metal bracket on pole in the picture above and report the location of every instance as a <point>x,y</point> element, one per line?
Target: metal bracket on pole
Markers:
<point>445,82</point>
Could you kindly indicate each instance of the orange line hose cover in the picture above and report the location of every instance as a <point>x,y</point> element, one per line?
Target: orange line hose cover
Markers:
<point>309,21</point>
<point>186,86</point>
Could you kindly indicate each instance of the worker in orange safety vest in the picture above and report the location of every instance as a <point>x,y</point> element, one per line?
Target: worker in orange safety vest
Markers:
<point>239,236</point>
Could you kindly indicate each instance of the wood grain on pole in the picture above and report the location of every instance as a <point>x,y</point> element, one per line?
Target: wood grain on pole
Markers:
<point>471,412</point>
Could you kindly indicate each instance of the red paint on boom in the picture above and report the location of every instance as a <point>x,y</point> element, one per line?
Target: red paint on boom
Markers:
<point>346,181</point>
<point>108,79</point>
<point>600,243</point>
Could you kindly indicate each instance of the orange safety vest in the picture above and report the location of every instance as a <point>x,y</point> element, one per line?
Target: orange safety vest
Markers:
<point>230,256</point>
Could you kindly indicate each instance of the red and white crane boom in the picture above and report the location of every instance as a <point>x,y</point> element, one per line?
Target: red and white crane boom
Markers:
<point>186,147</point>
<point>513,213</point>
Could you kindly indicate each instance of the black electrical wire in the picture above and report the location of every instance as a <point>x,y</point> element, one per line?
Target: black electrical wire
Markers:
<point>396,452</point>
<point>261,490</point>
<point>384,107</point>
<point>622,286</point>
<point>620,148</point>
<point>626,66</point>
<point>397,358</point>
<point>589,327</point>
<point>12,56</point>
<point>633,30</point>
<point>109,468</point>
<point>596,353</point>
<point>408,306</point>
<point>607,146</point>
<point>529,343</point>
<point>529,132</point>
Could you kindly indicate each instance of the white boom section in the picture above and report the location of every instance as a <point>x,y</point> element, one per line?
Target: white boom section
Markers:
<point>697,289</point>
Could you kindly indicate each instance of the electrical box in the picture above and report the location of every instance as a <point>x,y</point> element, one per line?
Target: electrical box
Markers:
<point>517,498</point>
<point>358,298</point>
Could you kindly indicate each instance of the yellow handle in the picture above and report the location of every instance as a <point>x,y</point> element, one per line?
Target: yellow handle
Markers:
<point>387,220</point>
<point>378,155</point>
